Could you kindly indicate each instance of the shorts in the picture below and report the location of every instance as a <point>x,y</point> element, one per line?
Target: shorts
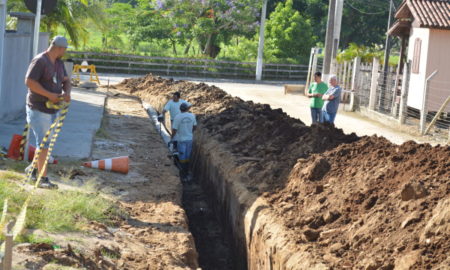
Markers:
<point>184,150</point>
<point>40,123</point>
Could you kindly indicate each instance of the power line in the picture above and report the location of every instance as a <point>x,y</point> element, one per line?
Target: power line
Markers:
<point>364,12</point>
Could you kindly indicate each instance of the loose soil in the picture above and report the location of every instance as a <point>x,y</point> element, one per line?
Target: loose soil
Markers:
<point>154,233</point>
<point>355,203</point>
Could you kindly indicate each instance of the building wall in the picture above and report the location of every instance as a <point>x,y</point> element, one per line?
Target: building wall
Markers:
<point>438,59</point>
<point>17,56</point>
<point>417,81</point>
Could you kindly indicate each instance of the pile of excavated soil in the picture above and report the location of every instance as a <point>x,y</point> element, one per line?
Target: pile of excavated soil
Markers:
<point>267,141</point>
<point>356,203</point>
<point>372,205</point>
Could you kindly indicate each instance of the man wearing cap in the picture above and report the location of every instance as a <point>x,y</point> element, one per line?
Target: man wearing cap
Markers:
<point>46,80</point>
<point>183,127</point>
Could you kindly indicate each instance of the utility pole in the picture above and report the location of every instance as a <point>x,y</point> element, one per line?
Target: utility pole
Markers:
<point>387,53</point>
<point>2,39</point>
<point>37,25</point>
<point>329,40</point>
<point>337,27</point>
<point>259,62</point>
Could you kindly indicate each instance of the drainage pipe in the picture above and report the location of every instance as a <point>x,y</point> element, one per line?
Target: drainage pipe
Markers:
<point>159,127</point>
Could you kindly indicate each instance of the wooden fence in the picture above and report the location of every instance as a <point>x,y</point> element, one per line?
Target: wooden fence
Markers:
<point>188,67</point>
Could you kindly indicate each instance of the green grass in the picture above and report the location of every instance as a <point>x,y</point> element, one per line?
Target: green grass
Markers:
<point>56,211</point>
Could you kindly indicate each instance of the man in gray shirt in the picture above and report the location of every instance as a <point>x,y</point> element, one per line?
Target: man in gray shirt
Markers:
<point>332,98</point>
<point>46,80</point>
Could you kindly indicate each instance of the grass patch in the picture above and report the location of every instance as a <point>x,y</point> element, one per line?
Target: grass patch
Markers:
<point>57,211</point>
<point>11,175</point>
<point>13,165</point>
<point>33,239</point>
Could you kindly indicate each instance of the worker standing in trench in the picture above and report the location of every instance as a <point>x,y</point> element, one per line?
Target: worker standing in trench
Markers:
<point>173,107</point>
<point>183,128</point>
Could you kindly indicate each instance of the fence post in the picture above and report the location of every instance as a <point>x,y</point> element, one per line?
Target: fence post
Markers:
<point>355,75</point>
<point>7,257</point>
<point>404,95</point>
<point>374,83</point>
<point>344,76</point>
<point>423,112</point>
<point>308,78</point>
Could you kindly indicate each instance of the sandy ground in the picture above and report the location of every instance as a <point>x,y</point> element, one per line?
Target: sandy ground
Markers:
<point>156,234</point>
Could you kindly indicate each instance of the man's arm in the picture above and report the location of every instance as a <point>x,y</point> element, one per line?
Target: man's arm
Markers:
<point>37,88</point>
<point>67,87</point>
<point>174,132</point>
<point>330,94</point>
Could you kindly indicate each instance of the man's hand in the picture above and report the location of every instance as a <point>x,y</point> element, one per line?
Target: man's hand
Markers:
<point>66,97</point>
<point>54,98</point>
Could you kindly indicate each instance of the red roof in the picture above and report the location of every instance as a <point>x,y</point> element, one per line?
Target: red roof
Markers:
<point>430,13</point>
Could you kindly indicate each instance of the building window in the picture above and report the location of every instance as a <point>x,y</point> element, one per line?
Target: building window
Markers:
<point>416,56</point>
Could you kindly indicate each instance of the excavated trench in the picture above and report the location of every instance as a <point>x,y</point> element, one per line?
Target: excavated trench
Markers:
<point>273,193</point>
<point>209,231</point>
<point>232,227</point>
<point>233,167</point>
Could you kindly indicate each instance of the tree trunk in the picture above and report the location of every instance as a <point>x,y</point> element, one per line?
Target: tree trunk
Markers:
<point>211,49</point>
<point>174,47</point>
<point>188,47</point>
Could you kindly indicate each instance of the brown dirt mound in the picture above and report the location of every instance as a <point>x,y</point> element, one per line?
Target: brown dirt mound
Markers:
<point>372,205</point>
<point>268,141</point>
<point>357,203</point>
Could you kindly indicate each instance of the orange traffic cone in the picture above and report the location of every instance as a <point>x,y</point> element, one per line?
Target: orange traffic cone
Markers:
<point>14,147</point>
<point>118,164</point>
<point>14,150</point>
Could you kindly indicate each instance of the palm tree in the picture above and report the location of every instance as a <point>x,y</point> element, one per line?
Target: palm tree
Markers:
<point>72,15</point>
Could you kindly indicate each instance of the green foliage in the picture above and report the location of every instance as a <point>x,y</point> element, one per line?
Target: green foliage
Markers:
<point>118,17</point>
<point>289,35</point>
<point>209,22</point>
<point>72,15</point>
<point>367,54</point>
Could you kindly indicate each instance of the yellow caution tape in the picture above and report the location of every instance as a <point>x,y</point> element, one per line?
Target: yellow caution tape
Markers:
<point>57,125</point>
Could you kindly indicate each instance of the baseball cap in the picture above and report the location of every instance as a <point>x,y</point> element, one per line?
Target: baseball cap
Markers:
<point>184,106</point>
<point>60,41</point>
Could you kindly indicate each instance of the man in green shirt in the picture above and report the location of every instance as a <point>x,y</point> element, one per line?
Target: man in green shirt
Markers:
<point>315,93</point>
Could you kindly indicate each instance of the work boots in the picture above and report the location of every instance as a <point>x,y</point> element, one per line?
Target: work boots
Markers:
<point>44,183</point>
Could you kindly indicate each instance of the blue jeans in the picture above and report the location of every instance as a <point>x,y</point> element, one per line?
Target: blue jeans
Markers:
<point>184,150</point>
<point>40,123</point>
<point>316,115</point>
<point>328,117</point>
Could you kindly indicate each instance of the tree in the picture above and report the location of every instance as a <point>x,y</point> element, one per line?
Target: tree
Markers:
<point>117,19</point>
<point>72,15</point>
<point>210,22</point>
<point>289,35</point>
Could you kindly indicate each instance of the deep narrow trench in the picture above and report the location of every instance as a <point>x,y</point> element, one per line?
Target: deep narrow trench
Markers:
<point>208,229</point>
<point>211,240</point>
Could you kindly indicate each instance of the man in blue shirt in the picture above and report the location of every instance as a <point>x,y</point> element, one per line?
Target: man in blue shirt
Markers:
<point>183,127</point>
<point>332,98</point>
